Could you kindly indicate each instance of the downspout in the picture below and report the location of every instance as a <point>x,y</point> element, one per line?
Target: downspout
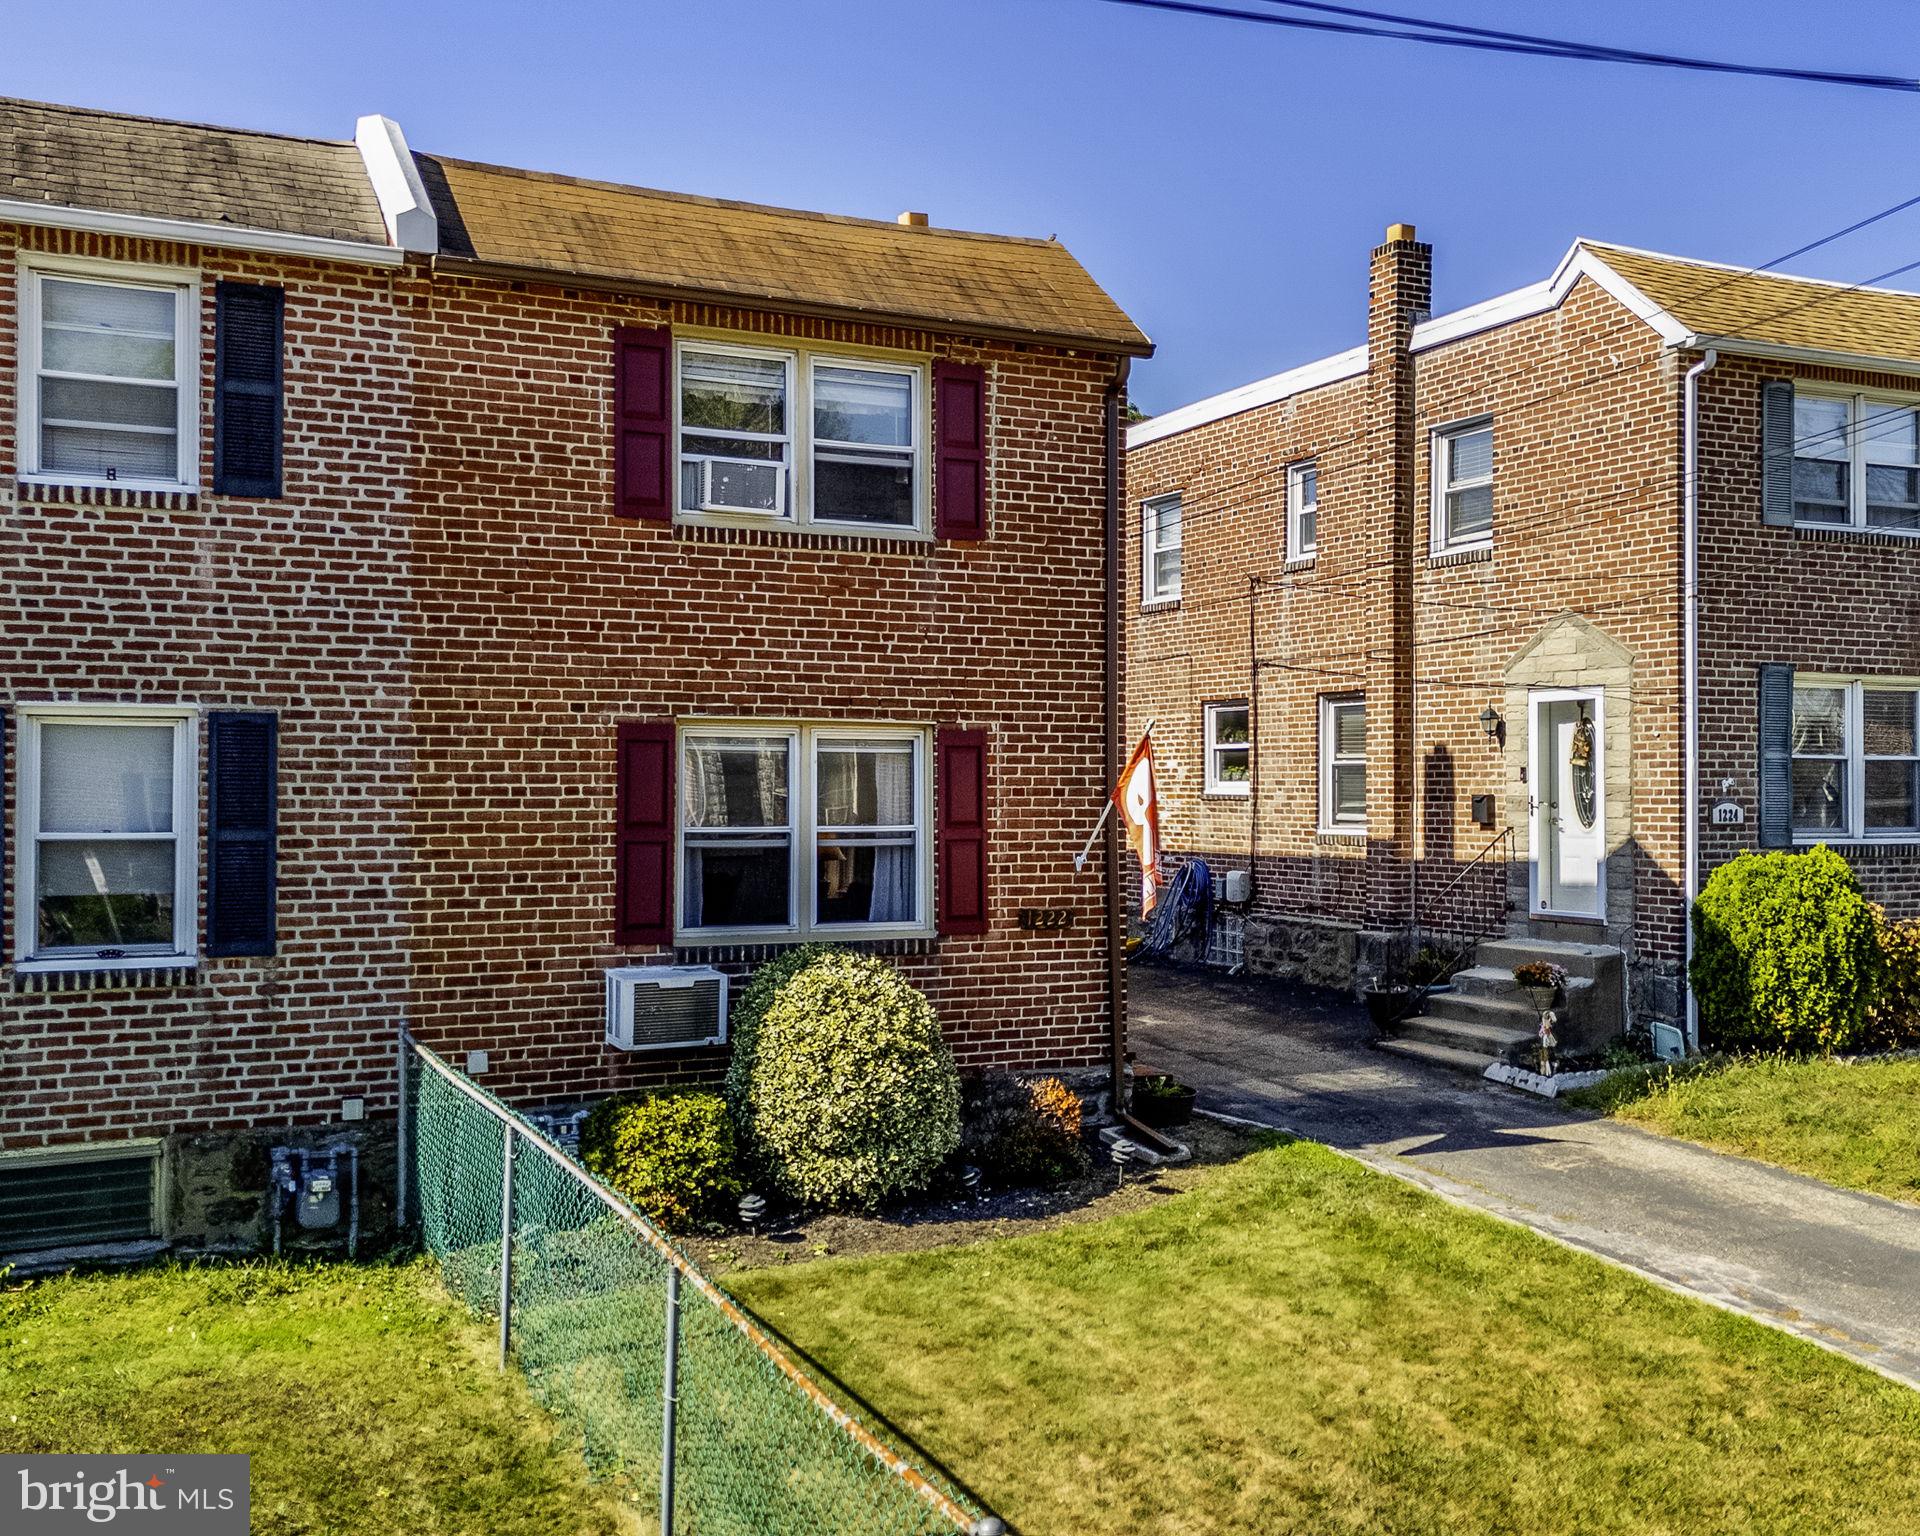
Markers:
<point>1110,744</point>
<point>1253,735</point>
<point>1690,666</point>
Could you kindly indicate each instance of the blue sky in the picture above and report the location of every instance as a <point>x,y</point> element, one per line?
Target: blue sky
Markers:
<point>1224,182</point>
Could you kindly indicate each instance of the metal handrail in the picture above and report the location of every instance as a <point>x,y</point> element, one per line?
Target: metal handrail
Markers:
<point>1504,841</point>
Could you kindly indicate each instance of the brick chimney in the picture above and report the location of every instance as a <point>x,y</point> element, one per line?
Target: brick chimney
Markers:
<point>1399,296</point>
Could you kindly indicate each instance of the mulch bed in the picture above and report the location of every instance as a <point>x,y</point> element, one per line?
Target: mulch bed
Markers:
<point>799,1237</point>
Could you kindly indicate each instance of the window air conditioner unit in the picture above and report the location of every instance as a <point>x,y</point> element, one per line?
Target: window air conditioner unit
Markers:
<point>743,485</point>
<point>665,1007</point>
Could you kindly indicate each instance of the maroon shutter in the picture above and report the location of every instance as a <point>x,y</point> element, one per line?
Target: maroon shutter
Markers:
<point>643,878</point>
<point>643,423</point>
<point>961,785</point>
<point>959,451</point>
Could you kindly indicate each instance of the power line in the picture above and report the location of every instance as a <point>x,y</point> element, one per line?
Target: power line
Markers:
<point>1485,40</point>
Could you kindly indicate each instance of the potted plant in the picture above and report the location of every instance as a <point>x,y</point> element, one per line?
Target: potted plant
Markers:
<point>1541,980</point>
<point>1159,1101</point>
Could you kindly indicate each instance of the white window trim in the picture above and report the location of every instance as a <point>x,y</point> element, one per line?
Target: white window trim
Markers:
<point>34,267</point>
<point>186,816</point>
<point>797,512</point>
<point>1328,827</point>
<point>1209,746</point>
<point>1853,686</point>
<point>1440,457</point>
<point>1149,548</point>
<point>803,738</point>
<point>1296,477</point>
<point>1861,406</point>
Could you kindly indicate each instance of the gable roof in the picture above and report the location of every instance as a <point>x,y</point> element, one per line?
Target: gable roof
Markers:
<point>1685,302</point>
<point>672,243</point>
<point>78,158</point>
<point>1734,304</point>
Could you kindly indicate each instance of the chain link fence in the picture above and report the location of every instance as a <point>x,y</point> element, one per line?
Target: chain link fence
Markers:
<point>664,1379</point>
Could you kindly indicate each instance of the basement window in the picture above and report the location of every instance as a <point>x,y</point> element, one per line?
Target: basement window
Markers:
<point>77,1197</point>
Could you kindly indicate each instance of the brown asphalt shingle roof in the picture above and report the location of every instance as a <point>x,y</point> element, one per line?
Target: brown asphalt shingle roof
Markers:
<point>1767,308</point>
<point>672,242</point>
<point>78,158</point>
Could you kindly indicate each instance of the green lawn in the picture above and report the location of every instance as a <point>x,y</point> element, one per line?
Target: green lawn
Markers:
<point>1302,1345</point>
<point>1851,1123</point>
<point>367,1400</point>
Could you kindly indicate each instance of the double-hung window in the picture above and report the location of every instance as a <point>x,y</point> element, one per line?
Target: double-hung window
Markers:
<point>801,437</point>
<point>1343,763</point>
<point>1303,510</point>
<point>1160,549</point>
<point>107,855</point>
<point>1856,462</point>
<point>1856,760</point>
<point>108,376</point>
<point>796,829</point>
<point>1229,749</point>
<point>1463,485</point>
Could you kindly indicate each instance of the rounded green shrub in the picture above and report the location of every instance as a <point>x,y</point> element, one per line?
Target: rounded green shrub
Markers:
<point>671,1154</point>
<point>841,1084</point>
<point>743,1024</point>
<point>1786,953</point>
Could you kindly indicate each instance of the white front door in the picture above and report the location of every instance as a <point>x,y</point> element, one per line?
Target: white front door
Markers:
<point>1569,804</point>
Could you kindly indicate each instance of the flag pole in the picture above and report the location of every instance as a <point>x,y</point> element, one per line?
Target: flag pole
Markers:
<point>1086,852</point>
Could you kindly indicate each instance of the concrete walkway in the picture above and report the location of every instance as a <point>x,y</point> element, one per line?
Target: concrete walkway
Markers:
<point>1839,1268</point>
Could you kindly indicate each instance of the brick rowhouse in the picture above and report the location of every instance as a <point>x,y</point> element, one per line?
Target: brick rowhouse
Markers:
<point>450,625</point>
<point>1571,596</point>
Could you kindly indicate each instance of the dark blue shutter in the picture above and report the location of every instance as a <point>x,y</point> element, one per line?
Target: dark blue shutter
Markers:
<point>3,827</point>
<point>1776,755</point>
<point>243,831</point>
<point>249,321</point>
<point>1776,438</point>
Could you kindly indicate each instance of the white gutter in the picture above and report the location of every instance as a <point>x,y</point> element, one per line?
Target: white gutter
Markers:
<point>1690,664</point>
<point>232,237</point>
<point>402,195</point>
<point>1783,352</point>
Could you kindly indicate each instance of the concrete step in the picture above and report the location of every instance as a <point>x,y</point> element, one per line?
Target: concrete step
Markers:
<point>1492,1040</point>
<point>1494,982</point>
<point>1436,1055</point>
<point>1484,1010</point>
<point>1574,959</point>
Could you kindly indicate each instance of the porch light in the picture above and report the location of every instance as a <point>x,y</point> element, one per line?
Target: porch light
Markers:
<point>1490,722</point>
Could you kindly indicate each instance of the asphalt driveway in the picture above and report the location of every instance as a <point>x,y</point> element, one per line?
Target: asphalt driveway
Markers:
<point>1837,1267</point>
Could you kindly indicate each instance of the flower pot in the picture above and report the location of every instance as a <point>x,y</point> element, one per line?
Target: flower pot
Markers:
<point>1387,1006</point>
<point>1542,998</point>
<point>1160,1111</point>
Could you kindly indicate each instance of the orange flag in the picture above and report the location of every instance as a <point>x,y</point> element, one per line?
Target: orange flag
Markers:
<point>1139,809</point>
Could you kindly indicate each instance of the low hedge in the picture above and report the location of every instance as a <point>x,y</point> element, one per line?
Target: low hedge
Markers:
<point>1786,954</point>
<point>671,1154</point>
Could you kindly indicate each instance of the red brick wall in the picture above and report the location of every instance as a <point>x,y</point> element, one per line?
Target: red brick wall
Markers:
<point>1586,426</point>
<point>450,621</point>
<point>1826,601</point>
<point>297,606</point>
<point>544,621</point>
